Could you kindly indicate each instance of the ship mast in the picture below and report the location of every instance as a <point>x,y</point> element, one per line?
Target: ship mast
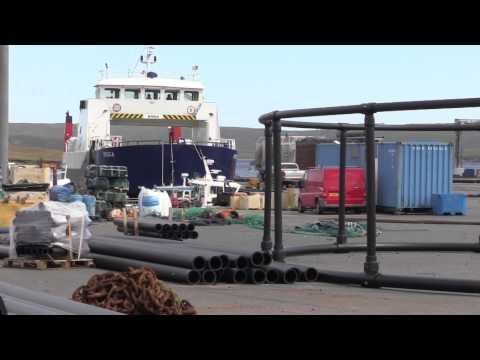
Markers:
<point>148,59</point>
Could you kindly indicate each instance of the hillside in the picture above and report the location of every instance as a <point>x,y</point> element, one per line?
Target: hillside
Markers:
<point>34,141</point>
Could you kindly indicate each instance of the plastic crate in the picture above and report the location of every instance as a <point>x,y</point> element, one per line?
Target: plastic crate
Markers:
<point>469,173</point>
<point>446,204</point>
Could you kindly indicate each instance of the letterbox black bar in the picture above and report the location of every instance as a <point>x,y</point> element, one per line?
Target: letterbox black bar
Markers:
<point>341,237</point>
<point>371,108</point>
<point>267,215</point>
<point>277,163</point>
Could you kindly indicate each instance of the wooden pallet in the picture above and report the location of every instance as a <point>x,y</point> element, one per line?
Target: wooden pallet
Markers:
<point>42,264</point>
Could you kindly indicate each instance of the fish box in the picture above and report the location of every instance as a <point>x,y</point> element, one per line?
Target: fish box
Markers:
<point>445,204</point>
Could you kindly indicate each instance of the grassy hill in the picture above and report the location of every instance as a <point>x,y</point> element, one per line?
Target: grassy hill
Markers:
<point>31,142</point>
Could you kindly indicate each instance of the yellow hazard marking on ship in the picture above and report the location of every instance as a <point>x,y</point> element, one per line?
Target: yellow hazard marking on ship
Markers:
<point>126,116</point>
<point>179,117</point>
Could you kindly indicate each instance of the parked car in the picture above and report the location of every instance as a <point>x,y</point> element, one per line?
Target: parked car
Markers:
<point>291,172</point>
<point>320,189</point>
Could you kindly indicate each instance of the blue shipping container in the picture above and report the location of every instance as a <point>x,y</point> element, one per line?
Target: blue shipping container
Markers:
<point>409,173</point>
<point>329,155</point>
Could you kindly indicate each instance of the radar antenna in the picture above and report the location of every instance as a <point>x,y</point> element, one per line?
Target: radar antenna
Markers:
<point>148,59</point>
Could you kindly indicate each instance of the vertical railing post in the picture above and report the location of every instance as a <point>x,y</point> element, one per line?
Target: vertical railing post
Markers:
<point>277,164</point>
<point>267,212</point>
<point>371,265</point>
<point>4,112</point>
<point>341,237</point>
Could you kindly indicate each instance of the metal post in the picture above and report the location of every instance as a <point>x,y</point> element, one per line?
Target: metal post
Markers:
<point>341,237</point>
<point>267,214</point>
<point>4,112</point>
<point>371,264</point>
<point>277,163</point>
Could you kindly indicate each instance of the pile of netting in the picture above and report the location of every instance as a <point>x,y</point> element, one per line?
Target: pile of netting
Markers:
<point>134,292</point>
<point>206,216</point>
<point>330,228</point>
<point>327,228</point>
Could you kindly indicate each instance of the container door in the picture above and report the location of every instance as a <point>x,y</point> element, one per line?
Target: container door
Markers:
<point>388,179</point>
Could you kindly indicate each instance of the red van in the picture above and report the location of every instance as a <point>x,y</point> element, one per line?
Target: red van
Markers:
<point>320,189</point>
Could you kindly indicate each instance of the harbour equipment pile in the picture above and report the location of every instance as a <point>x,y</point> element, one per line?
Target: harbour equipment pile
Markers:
<point>133,292</point>
<point>109,185</point>
<point>193,263</point>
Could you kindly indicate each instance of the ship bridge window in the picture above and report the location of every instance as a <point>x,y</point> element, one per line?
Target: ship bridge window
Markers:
<point>111,93</point>
<point>132,93</point>
<point>171,94</point>
<point>191,95</point>
<point>151,94</point>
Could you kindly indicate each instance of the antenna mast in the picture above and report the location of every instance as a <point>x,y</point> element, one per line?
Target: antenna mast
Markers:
<point>194,72</point>
<point>149,58</point>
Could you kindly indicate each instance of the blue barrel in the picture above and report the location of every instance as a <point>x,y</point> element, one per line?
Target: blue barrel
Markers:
<point>90,202</point>
<point>76,197</point>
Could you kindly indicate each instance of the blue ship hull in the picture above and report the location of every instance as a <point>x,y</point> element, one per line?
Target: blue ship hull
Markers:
<point>144,162</point>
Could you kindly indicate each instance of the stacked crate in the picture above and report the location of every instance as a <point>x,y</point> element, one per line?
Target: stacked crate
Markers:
<point>109,185</point>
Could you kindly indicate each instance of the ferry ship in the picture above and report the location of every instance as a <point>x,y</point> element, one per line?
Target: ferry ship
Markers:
<point>146,99</point>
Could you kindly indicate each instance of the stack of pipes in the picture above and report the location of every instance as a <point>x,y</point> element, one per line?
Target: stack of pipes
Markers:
<point>173,231</point>
<point>194,263</point>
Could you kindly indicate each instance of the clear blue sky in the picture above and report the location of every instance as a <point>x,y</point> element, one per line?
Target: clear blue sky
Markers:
<point>246,81</point>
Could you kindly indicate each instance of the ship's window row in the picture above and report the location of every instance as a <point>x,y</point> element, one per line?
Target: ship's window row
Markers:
<point>151,94</point>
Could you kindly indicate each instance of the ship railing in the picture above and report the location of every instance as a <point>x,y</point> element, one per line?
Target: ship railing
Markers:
<point>108,143</point>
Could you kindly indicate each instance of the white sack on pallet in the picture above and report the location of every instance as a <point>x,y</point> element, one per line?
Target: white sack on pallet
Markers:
<point>78,219</point>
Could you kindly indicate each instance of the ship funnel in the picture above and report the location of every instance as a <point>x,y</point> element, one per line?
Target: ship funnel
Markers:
<point>68,133</point>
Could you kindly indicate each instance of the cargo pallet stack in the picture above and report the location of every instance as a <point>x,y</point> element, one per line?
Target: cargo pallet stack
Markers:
<point>109,185</point>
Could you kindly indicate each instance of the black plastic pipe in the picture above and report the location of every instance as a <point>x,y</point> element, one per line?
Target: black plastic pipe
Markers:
<point>273,276</point>
<point>277,168</point>
<point>255,258</point>
<point>305,273</point>
<point>402,282</point>
<point>236,259</point>
<point>341,236</point>
<point>256,276</point>
<point>267,258</point>
<point>143,251</point>
<point>155,234</point>
<point>4,251</point>
<point>371,266</point>
<point>380,127</point>
<point>213,258</point>
<point>23,307</point>
<point>51,301</point>
<point>141,225</point>
<point>267,245</point>
<point>392,247</point>
<point>209,277</point>
<point>288,273</point>
<point>373,108</point>
<point>234,276</point>
<point>164,272</point>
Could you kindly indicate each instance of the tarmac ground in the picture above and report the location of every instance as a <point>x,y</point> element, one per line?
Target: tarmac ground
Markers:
<point>315,298</point>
